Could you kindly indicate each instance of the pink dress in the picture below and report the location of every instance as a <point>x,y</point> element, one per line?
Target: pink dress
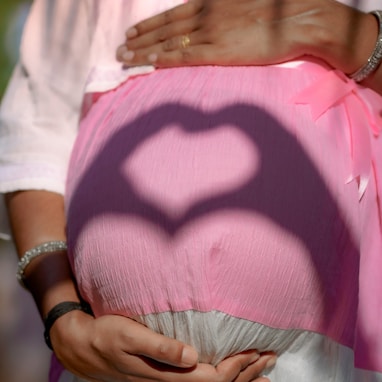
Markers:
<point>232,208</point>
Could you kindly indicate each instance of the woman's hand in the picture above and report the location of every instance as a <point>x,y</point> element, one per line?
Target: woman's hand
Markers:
<point>110,348</point>
<point>115,348</point>
<point>252,32</point>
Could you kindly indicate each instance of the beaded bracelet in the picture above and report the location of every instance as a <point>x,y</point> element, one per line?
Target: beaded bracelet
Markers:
<point>58,311</point>
<point>50,246</point>
<point>376,56</point>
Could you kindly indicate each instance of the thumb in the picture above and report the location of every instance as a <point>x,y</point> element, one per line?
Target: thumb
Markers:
<point>143,341</point>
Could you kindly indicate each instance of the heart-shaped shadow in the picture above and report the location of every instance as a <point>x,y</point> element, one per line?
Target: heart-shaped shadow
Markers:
<point>287,188</point>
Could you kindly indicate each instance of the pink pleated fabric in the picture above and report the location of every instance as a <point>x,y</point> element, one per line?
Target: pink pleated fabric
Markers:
<point>250,191</point>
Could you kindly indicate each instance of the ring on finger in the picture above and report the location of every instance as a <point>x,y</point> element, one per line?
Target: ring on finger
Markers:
<point>185,41</point>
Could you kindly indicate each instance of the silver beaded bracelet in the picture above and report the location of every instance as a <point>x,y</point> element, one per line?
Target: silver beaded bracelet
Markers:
<point>50,246</point>
<point>376,56</point>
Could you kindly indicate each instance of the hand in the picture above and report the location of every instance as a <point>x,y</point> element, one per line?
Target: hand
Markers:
<point>252,32</point>
<point>115,348</point>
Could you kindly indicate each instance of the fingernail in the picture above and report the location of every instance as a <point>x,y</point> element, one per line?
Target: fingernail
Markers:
<point>189,356</point>
<point>128,55</point>
<point>153,57</point>
<point>255,357</point>
<point>120,51</point>
<point>271,362</point>
<point>131,32</point>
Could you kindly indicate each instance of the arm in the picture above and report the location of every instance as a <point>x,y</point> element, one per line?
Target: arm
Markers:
<point>37,217</point>
<point>38,124</point>
<point>110,346</point>
<point>256,32</point>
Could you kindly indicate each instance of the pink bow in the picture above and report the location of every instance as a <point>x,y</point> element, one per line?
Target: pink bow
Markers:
<point>364,110</point>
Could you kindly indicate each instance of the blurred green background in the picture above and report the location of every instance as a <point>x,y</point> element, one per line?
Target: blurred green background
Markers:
<point>12,16</point>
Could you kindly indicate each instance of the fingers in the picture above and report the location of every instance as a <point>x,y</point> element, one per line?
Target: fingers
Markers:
<point>163,34</point>
<point>142,341</point>
<point>233,366</point>
<point>188,49</point>
<point>172,52</point>
<point>192,56</point>
<point>118,348</point>
<point>255,369</point>
<point>148,40</point>
<point>221,32</point>
<point>180,12</point>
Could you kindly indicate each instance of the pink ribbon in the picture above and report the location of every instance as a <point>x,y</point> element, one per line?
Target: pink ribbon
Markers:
<point>363,108</point>
<point>364,111</point>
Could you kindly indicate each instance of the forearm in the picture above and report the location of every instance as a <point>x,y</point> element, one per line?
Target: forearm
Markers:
<point>37,217</point>
<point>110,347</point>
<point>345,38</point>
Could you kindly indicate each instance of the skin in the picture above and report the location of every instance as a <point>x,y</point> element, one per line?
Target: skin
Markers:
<point>221,32</point>
<point>257,32</point>
<point>108,348</point>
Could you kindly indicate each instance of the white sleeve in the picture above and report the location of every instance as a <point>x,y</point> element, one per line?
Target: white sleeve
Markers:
<point>40,111</point>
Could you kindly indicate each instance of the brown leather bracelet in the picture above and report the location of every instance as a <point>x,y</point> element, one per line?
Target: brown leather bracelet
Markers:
<point>58,311</point>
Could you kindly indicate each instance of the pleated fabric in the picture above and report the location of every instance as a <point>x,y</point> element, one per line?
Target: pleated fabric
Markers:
<point>245,198</point>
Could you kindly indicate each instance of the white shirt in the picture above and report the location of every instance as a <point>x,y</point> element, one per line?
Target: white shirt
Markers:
<point>67,50</point>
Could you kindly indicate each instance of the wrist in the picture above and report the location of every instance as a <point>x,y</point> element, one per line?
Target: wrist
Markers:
<point>344,37</point>
<point>50,280</point>
<point>60,310</point>
<point>360,48</point>
<point>70,329</point>
<point>34,253</point>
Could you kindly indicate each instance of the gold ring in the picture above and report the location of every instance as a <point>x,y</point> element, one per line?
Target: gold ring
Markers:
<point>185,41</point>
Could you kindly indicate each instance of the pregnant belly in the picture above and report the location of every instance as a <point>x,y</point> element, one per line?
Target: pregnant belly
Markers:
<point>189,193</point>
